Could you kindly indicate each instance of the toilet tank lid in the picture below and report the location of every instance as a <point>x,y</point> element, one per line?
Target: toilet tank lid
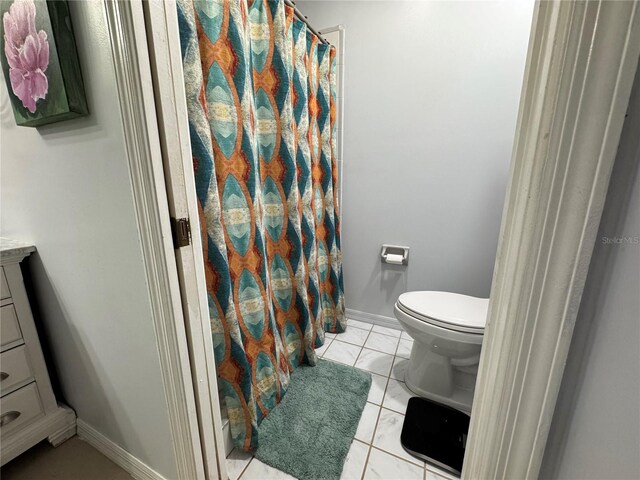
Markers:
<point>453,308</point>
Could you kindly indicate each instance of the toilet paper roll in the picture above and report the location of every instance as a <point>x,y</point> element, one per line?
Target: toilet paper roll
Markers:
<point>393,258</point>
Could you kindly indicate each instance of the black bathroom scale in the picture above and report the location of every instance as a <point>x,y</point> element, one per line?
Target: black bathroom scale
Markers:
<point>435,433</point>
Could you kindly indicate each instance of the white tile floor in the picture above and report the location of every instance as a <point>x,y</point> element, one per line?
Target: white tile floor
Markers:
<point>376,452</point>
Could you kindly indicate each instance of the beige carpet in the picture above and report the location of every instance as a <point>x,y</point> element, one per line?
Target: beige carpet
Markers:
<point>73,460</point>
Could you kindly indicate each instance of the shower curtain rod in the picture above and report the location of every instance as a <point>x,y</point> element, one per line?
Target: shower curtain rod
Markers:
<point>303,18</point>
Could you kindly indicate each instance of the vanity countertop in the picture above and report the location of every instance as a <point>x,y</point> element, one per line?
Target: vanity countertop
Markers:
<point>15,248</point>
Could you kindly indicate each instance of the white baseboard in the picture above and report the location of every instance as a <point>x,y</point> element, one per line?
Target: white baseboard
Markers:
<point>118,455</point>
<point>390,322</point>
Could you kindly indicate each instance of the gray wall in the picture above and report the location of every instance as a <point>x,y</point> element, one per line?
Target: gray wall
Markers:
<point>595,433</point>
<point>66,187</point>
<point>431,99</point>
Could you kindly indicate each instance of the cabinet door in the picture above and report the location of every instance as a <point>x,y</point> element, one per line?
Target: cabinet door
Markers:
<point>10,333</point>
<point>15,370</point>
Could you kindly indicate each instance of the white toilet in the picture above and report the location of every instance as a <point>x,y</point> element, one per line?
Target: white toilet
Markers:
<point>447,330</point>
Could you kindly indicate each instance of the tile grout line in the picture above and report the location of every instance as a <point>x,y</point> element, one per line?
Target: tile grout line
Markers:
<point>327,347</point>
<point>362,348</point>
<point>368,348</point>
<point>245,467</point>
<point>399,458</point>
<point>374,432</point>
<point>375,428</point>
<point>389,376</point>
<point>424,465</point>
<point>395,349</point>
<point>366,461</point>
<point>387,334</point>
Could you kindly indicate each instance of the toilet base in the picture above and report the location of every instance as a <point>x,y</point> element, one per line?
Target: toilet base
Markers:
<point>460,399</point>
<point>435,433</point>
<point>433,377</point>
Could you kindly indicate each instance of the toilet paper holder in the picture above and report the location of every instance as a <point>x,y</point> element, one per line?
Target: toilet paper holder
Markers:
<point>394,254</point>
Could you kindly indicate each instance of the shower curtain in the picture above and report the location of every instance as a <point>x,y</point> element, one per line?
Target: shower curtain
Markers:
<point>261,103</point>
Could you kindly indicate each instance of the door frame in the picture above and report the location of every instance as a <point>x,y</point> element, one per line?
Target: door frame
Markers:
<point>341,30</point>
<point>127,34</point>
<point>581,63</point>
<point>161,19</point>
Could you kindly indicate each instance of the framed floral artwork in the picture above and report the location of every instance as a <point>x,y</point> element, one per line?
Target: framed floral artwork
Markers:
<point>40,62</point>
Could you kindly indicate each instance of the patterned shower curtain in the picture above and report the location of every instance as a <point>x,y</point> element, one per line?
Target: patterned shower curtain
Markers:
<point>261,103</point>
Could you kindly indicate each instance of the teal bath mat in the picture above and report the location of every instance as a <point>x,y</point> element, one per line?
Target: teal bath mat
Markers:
<point>309,434</point>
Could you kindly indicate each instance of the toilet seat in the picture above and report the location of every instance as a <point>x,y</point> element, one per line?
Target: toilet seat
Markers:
<point>452,311</point>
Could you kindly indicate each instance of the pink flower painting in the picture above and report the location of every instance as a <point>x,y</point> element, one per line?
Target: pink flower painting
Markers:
<point>27,53</point>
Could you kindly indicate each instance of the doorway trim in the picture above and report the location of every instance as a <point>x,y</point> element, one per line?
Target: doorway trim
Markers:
<point>127,34</point>
<point>581,64</point>
<point>341,32</point>
<point>165,52</point>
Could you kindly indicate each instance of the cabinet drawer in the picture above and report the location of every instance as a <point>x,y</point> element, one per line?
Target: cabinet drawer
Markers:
<point>4,286</point>
<point>15,369</point>
<point>9,328</point>
<point>19,408</point>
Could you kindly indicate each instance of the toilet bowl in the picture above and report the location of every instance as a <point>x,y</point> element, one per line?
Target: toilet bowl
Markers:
<point>447,330</point>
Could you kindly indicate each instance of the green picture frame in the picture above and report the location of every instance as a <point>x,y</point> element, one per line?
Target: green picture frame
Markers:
<point>40,62</point>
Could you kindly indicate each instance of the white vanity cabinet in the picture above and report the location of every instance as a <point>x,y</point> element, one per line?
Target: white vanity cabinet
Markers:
<point>29,412</point>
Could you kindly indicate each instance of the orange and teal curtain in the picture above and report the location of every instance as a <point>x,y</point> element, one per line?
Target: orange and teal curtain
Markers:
<point>261,99</point>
